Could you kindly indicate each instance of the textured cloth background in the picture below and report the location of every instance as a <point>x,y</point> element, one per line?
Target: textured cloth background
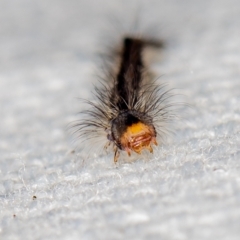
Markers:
<point>189,189</point>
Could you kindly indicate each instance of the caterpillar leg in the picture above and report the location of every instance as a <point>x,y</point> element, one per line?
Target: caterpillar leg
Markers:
<point>116,154</point>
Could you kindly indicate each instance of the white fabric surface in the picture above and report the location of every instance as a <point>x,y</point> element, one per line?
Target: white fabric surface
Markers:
<point>189,189</point>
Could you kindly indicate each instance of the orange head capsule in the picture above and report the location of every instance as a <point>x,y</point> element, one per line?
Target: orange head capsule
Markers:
<point>137,137</point>
<point>133,131</point>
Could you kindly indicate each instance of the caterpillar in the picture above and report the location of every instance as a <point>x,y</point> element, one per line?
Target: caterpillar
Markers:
<point>132,110</point>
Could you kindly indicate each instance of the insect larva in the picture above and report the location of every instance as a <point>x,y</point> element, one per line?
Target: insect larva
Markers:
<point>132,109</point>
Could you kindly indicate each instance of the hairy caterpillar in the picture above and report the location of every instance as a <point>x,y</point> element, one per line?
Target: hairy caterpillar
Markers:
<point>132,109</point>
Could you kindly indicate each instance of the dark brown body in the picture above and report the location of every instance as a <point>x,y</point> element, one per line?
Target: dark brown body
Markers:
<point>132,129</point>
